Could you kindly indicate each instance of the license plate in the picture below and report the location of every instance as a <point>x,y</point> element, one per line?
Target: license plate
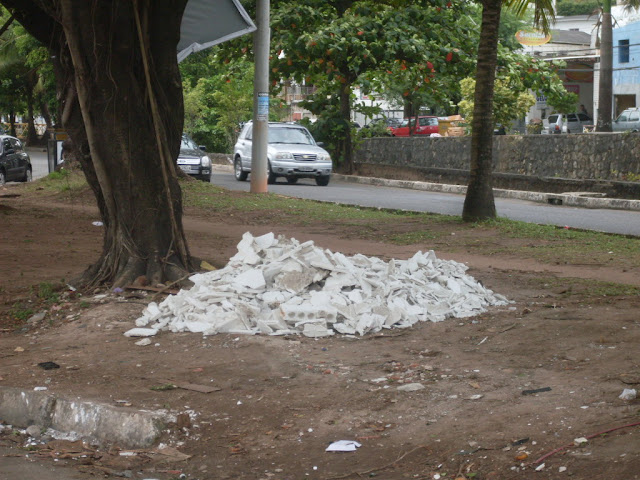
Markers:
<point>306,169</point>
<point>185,168</point>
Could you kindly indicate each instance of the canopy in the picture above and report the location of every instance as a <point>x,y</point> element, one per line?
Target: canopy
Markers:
<point>206,23</point>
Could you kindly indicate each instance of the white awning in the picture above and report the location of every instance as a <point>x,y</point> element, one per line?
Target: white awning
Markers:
<point>206,23</point>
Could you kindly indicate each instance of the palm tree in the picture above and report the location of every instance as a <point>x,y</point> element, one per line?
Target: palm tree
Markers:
<point>479,202</point>
<point>605,87</point>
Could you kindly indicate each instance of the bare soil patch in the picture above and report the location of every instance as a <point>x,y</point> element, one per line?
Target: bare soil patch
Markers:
<point>283,400</point>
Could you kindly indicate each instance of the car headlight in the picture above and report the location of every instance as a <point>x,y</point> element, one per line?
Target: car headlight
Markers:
<point>205,161</point>
<point>324,157</point>
<point>284,156</point>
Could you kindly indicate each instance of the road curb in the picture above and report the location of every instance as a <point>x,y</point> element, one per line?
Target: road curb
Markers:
<point>572,199</point>
<point>97,422</point>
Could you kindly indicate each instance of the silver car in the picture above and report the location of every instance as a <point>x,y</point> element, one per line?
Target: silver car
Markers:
<point>627,121</point>
<point>568,123</point>
<point>292,153</point>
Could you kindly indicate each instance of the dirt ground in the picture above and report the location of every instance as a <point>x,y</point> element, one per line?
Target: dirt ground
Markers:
<point>280,401</point>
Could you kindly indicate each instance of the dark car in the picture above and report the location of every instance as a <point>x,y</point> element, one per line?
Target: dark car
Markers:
<point>15,164</point>
<point>427,125</point>
<point>193,160</point>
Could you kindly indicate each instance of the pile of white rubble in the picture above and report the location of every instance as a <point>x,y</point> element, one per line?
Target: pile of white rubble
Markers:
<point>280,286</point>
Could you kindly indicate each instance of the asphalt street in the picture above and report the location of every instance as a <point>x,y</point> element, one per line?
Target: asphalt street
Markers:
<point>598,219</point>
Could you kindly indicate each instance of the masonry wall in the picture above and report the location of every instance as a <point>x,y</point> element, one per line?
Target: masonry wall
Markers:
<point>580,157</point>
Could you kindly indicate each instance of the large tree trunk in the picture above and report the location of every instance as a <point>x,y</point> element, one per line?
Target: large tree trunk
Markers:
<point>479,202</point>
<point>32,135</point>
<point>119,83</point>
<point>605,89</point>
<point>345,113</point>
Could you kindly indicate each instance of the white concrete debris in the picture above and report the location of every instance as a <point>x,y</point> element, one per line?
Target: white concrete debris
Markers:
<point>280,286</point>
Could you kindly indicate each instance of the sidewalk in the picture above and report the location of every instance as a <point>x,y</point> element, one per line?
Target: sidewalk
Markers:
<point>570,199</point>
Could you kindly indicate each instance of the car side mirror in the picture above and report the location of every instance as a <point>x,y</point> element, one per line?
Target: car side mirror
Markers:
<point>320,144</point>
<point>202,147</point>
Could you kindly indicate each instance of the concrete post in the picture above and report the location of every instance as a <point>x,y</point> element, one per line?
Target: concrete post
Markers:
<point>261,39</point>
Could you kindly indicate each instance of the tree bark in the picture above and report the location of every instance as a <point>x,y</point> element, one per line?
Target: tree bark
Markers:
<point>32,135</point>
<point>121,104</point>
<point>479,202</point>
<point>345,113</point>
<point>605,89</point>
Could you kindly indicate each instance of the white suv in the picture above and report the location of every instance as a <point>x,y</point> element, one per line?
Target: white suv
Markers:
<point>292,153</point>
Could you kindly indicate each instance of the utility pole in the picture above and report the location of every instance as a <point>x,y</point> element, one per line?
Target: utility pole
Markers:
<point>261,40</point>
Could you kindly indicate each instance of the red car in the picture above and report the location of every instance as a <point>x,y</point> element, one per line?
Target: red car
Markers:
<point>426,126</point>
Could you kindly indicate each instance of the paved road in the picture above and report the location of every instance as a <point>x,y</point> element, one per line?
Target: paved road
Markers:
<point>39,162</point>
<point>604,220</point>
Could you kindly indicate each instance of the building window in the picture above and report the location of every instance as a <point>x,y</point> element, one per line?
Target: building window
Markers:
<point>623,51</point>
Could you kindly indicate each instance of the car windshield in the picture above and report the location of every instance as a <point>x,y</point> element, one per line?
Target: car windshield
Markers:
<point>188,144</point>
<point>290,135</point>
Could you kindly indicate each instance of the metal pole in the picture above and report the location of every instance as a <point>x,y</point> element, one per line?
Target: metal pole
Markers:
<point>261,40</point>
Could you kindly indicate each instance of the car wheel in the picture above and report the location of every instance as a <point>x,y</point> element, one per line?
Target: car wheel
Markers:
<point>206,178</point>
<point>323,180</point>
<point>28,176</point>
<point>240,174</point>
<point>3,179</point>
<point>292,180</point>
<point>271,178</point>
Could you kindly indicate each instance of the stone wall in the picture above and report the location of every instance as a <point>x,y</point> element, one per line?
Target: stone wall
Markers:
<point>584,156</point>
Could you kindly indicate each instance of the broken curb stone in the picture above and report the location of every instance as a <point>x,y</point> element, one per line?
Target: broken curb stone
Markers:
<point>279,286</point>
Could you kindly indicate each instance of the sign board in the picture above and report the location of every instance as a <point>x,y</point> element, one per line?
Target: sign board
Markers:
<point>263,107</point>
<point>532,37</point>
<point>541,101</point>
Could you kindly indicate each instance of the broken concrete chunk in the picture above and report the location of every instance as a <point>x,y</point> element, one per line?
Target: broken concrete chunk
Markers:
<point>410,387</point>
<point>140,332</point>
<point>280,286</point>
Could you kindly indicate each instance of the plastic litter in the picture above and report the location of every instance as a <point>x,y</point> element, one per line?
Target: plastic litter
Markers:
<point>343,446</point>
<point>628,394</point>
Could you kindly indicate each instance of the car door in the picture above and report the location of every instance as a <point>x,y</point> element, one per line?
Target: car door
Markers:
<point>573,124</point>
<point>21,158</point>
<point>245,146</point>
<point>621,123</point>
<point>634,121</point>
<point>8,159</point>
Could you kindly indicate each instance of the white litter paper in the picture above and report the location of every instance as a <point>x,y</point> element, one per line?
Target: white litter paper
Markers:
<point>279,286</point>
<point>343,446</point>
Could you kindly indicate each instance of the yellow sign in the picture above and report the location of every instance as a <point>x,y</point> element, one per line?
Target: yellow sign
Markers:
<point>532,37</point>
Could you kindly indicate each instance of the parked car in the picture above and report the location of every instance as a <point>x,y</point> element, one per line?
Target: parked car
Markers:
<point>291,153</point>
<point>192,159</point>
<point>389,122</point>
<point>15,164</point>
<point>426,125</point>
<point>567,123</point>
<point>627,121</point>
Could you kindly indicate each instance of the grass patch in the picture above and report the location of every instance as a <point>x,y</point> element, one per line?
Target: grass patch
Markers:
<point>291,210</point>
<point>46,292</point>
<point>586,287</point>
<point>544,243</point>
<point>556,245</point>
<point>62,181</point>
